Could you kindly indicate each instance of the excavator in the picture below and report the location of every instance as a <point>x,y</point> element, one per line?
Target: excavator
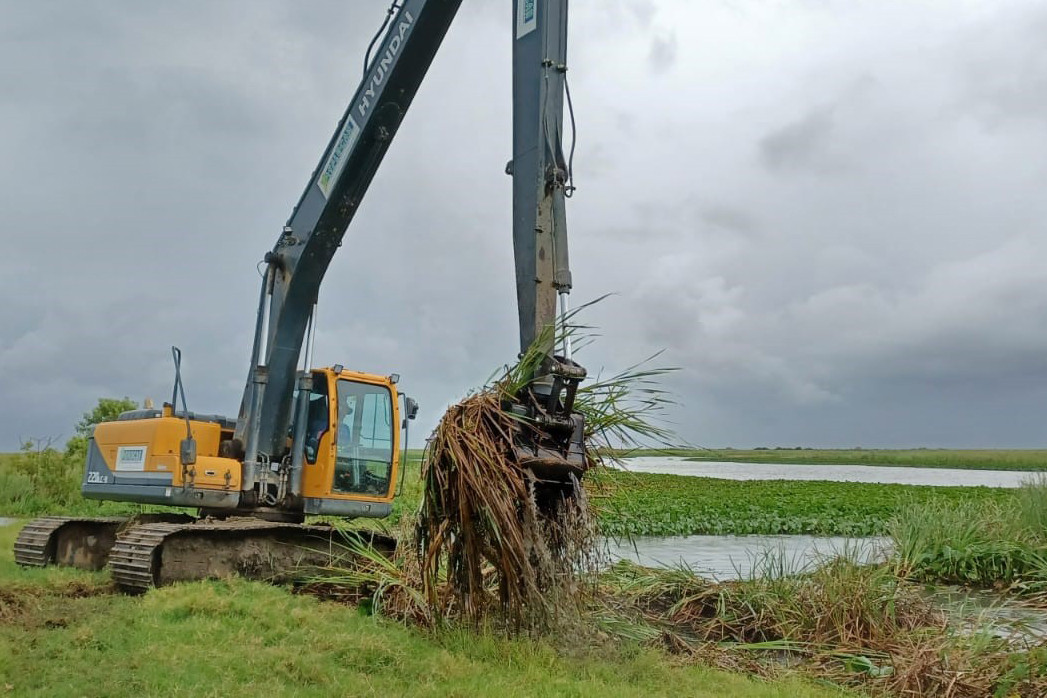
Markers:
<point>329,441</point>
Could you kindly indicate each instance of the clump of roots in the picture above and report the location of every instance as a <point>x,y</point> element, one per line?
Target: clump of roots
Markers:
<point>497,545</point>
<point>489,552</point>
<point>491,544</point>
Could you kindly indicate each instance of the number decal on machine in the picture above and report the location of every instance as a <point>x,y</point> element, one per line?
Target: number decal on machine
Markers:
<point>94,478</point>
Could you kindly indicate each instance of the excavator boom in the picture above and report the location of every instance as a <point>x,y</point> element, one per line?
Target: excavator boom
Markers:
<point>539,169</point>
<point>297,263</point>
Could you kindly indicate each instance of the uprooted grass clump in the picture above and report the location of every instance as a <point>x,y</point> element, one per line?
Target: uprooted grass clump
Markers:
<point>486,547</point>
<point>496,544</point>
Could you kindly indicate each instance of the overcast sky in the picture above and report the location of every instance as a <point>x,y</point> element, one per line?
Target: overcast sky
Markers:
<point>829,213</point>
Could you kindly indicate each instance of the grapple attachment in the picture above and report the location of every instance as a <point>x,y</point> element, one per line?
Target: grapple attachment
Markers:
<point>550,440</point>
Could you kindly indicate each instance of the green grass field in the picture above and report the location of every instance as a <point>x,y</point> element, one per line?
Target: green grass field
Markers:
<point>66,633</point>
<point>1001,459</point>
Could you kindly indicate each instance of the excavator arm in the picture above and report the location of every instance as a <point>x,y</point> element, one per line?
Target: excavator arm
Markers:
<point>541,185</point>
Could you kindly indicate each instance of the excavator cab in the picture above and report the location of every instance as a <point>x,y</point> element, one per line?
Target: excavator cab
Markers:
<point>352,444</point>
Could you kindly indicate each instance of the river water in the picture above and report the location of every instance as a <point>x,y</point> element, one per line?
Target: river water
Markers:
<point>738,557</point>
<point>730,557</point>
<point>940,477</point>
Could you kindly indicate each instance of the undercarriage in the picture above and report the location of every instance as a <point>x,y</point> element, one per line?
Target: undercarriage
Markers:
<point>156,550</point>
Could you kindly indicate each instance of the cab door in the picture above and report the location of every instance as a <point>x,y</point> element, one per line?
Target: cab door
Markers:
<point>367,431</point>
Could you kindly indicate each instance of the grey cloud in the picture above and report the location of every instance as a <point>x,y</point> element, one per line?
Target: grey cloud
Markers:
<point>644,11</point>
<point>153,152</point>
<point>663,53</point>
<point>803,145</point>
<point>730,218</point>
<point>1004,70</point>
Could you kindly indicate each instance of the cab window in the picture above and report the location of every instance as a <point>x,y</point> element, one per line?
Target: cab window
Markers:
<point>364,460</point>
<point>317,417</point>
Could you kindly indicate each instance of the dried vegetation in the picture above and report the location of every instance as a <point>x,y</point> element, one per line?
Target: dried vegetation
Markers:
<point>855,625</point>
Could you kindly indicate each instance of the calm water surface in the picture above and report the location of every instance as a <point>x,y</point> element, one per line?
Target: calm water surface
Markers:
<point>942,477</point>
<point>1003,616</point>
<point>738,557</point>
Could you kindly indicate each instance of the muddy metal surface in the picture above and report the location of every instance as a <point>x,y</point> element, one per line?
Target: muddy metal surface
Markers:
<point>941,477</point>
<point>739,557</point>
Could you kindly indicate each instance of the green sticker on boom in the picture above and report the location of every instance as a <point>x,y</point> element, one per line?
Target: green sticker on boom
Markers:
<point>335,162</point>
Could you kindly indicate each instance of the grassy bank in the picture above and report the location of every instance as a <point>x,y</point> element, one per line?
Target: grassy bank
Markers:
<point>999,459</point>
<point>64,633</point>
<point>987,543</point>
<point>663,505</point>
<point>852,624</point>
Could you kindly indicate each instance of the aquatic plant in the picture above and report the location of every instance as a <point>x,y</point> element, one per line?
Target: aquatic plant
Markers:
<point>644,504</point>
<point>976,543</point>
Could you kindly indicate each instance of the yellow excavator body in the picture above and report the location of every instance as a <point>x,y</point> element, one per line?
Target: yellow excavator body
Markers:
<point>349,465</point>
<point>150,446</point>
<point>350,461</point>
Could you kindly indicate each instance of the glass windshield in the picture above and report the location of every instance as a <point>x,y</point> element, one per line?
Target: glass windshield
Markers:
<point>364,459</point>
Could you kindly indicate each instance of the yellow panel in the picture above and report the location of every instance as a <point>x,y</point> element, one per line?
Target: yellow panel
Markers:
<point>211,473</point>
<point>160,437</point>
<point>316,478</point>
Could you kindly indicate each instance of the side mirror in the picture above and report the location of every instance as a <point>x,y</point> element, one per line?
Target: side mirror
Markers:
<point>411,407</point>
<point>187,451</point>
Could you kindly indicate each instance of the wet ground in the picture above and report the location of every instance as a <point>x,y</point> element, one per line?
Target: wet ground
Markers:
<point>941,477</point>
<point>4,521</point>
<point>988,611</point>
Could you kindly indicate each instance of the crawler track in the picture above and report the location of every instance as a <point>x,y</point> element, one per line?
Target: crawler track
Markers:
<point>78,542</point>
<point>156,554</point>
